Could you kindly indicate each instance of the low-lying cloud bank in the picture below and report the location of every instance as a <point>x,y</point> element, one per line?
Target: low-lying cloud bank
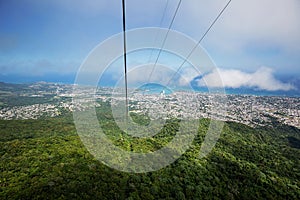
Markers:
<point>262,79</point>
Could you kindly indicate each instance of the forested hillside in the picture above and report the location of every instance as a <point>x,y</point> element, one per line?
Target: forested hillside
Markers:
<point>45,159</point>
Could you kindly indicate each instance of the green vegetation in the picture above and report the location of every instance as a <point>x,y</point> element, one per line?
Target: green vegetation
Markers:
<point>140,119</point>
<point>45,159</point>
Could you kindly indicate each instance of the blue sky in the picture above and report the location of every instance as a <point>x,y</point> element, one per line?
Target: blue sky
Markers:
<point>50,39</point>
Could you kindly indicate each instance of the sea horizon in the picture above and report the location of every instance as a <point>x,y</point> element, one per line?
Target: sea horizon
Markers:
<point>157,88</point>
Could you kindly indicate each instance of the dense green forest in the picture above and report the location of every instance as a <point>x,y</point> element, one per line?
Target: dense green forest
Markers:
<point>45,159</point>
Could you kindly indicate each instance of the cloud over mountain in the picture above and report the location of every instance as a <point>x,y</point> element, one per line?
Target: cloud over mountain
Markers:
<point>262,79</point>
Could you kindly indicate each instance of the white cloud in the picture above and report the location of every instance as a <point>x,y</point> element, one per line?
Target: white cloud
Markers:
<point>250,33</point>
<point>187,75</point>
<point>143,74</point>
<point>272,21</point>
<point>262,79</point>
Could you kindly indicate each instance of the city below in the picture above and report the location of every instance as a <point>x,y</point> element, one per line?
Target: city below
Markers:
<point>34,101</point>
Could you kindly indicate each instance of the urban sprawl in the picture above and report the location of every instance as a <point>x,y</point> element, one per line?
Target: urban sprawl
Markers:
<point>247,109</point>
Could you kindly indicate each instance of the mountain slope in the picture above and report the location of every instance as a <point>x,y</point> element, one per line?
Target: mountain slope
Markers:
<point>46,159</point>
